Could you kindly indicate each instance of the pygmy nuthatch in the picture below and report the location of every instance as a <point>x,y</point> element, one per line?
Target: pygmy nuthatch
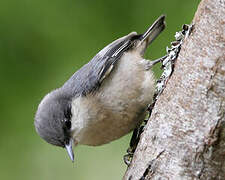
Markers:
<point>105,99</point>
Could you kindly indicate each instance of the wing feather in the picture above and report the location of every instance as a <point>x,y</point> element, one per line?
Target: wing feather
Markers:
<point>90,76</point>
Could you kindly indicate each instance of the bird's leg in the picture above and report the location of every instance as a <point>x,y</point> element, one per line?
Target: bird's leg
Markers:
<point>133,143</point>
<point>152,63</point>
<point>138,130</point>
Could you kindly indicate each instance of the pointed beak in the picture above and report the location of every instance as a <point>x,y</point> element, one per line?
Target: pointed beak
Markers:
<point>69,149</point>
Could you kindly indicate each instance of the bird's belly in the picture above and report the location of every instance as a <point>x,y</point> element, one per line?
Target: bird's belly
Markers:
<point>110,126</point>
<point>118,106</point>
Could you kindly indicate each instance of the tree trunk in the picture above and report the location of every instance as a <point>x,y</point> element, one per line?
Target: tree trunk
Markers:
<point>185,135</point>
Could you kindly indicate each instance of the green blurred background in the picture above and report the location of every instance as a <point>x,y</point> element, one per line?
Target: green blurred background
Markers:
<point>42,43</point>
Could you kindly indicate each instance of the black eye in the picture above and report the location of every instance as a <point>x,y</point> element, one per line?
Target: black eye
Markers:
<point>67,113</point>
<point>68,124</point>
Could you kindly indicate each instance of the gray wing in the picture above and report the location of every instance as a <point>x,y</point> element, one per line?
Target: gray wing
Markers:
<point>90,76</point>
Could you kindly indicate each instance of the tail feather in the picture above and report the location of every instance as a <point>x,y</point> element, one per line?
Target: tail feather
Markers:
<point>154,30</point>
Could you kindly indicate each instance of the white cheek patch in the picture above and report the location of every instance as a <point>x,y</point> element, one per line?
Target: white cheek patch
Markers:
<point>77,123</point>
<point>83,110</point>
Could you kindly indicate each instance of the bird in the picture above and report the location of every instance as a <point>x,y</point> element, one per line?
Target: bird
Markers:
<point>105,99</point>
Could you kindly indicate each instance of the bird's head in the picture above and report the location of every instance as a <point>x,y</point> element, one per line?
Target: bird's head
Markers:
<point>53,121</point>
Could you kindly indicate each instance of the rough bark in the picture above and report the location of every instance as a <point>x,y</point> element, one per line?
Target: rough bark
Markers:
<point>185,135</point>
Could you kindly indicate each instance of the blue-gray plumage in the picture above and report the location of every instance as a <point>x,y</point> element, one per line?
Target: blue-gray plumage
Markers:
<point>105,99</point>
